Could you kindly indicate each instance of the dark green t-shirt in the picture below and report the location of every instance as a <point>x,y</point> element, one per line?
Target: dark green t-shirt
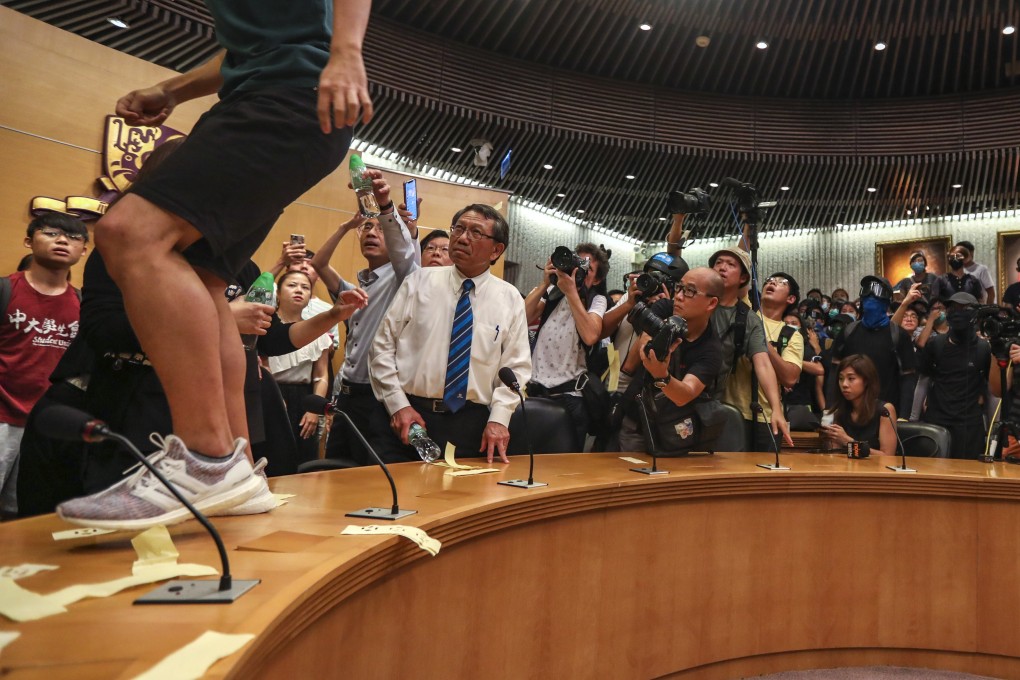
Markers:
<point>272,43</point>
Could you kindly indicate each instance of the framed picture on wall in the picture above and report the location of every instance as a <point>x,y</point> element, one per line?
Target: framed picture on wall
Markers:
<point>1008,253</point>
<point>892,258</point>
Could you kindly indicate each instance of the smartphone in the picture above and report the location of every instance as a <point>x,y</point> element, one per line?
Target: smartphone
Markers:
<point>411,197</point>
<point>297,239</point>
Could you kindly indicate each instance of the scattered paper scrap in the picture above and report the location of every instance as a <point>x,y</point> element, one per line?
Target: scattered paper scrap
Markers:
<point>424,541</point>
<point>24,570</point>
<point>451,461</point>
<point>194,659</point>
<point>79,533</point>
<point>7,637</point>
<point>636,461</point>
<point>471,471</point>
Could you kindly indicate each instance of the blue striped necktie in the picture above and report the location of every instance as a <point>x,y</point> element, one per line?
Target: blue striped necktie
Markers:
<point>459,361</point>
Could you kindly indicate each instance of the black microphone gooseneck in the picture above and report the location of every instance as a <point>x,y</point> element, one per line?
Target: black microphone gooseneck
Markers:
<point>903,451</point>
<point>313,403</point>
<point>509,378</point>
<point>757,408</point>
<point>70,424</point>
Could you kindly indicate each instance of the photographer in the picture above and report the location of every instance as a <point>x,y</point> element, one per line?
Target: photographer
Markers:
<point>921,277</point>
<point>569,305</point>
<point>690,365</point>
<point>1010,447</point>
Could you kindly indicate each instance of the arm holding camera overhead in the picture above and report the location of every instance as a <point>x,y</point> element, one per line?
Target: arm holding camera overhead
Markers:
<point>913,295</point>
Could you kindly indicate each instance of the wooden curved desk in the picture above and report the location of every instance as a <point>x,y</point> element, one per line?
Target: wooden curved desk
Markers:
<point>717,570</point>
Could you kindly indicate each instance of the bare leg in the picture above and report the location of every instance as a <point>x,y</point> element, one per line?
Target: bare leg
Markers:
<point>173,314</point>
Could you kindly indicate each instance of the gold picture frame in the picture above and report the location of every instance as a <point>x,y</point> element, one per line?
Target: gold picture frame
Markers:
<point>892,258</point>
<point>1007,252</point>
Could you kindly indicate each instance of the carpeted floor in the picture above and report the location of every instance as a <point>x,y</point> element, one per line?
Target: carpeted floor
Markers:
<point>872,673</point>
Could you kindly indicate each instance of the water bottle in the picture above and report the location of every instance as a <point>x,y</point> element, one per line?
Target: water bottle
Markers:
<point>263,291</point>
<point>363,188</point>
<point>426,448</point>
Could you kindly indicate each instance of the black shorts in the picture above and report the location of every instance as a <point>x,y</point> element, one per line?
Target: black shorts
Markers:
<point>248,157</point>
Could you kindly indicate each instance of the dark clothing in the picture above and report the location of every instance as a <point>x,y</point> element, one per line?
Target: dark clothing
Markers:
<point>928,280</point>
<point>1012,295</point>
<point>358,402</point>
<point>959,379</point>
<point>892,363</point>
<point>803,392</point>
<point>863,432</point>
<point>948,285</point>
<point>464,428</point>
<point>246,159</point>
<point>293,397</point>
<point>272,44</point>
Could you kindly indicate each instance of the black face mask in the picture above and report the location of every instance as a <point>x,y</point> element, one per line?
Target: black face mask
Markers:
<point>956,262</point>
<point>961,322</point>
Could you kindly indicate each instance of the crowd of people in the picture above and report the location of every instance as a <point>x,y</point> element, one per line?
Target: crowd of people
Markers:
<point>155,344</point>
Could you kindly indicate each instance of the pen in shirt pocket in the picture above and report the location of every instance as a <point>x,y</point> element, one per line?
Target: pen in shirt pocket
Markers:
<point>497,334</point>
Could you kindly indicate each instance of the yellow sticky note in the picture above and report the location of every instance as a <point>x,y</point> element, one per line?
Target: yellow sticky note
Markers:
<point>451,461</point>
<point>194,659</point>
<point>80,532</point>
<point>19,604</point>
<point>472,471</point>
<point>7,637</point>
<point>415,534</point>
<point>153,546</point>
<point>636,461</point>
<point>24,570</point>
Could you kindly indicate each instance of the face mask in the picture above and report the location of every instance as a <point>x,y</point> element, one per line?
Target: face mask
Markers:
<point>961,322</point>
<point>839,302</point>
<point>825,306</point>
<point>852,315</point>
<point>956,262</point>
<point>874,312</point>
<point>918,267</point>
<point>941,318</point>
<point>833,313</point>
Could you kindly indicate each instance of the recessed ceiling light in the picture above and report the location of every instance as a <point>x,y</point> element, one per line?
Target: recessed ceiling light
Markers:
<point>560,195</point>
<point>547,166</point>
<point>909,212</point>
<point>762,45</point>
<point>839,224</point>
<point>630,176</point>
<point>456,149</point>
<point>713,184</point>
<point>872,190</point>
<point>662,219</point>
<point>702,41</point>
<point>879,46</point>
<point>957,186</point>
<point>580,210</point>
<point>784,188</point>
<point>645,27</point>
<point>1009,30</point>
<point>117,21</point>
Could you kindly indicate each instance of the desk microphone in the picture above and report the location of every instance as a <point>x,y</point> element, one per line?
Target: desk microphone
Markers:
<point>70,424</point>
<point>313,403</point>
<point>508,378</point>
<point>757,408</point>
<point>903,451</point>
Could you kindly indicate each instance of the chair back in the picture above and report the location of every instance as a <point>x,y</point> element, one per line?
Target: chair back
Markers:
<point>924,440</point>
<point>549,426</point>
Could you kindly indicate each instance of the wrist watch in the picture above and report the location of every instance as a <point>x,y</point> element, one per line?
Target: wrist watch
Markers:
<point>661,383</point>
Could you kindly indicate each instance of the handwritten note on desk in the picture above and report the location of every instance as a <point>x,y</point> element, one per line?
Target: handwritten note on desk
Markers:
<point>418,536</point>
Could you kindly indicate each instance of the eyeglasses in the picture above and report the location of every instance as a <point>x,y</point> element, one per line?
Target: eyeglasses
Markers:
<point>55,234</point>
<point>368,226</point>
<point>437,249</point>
<point>690,291</point>
<point>777,280</point>
<point>473,234</point>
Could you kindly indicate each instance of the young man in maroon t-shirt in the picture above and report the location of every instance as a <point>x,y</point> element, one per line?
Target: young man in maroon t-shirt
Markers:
<point>38,324</point>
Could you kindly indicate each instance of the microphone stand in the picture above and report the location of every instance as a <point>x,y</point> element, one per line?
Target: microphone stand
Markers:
<point>530,483</point>
<point>646,423</point>
<point>392,513</point>
<point>903,452</point>
<point>757,408</point>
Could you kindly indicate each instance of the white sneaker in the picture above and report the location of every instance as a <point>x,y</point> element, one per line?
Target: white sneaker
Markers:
<point>141,501</point>
<point>262,501</point>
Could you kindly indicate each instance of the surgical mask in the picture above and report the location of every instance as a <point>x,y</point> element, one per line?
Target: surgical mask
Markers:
<point>941,318</point>
<point>918,267</point>
<point>874,312</point>
<point>956,262</point>
<point>833,313</point>
<point>825,306</point>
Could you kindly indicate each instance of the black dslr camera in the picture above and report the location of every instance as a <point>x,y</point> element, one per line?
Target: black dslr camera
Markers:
<point>693,202</point>
<point>650,283</point>
<point>566,261</point>
<point>664,332</point>
<point>1001,325</point>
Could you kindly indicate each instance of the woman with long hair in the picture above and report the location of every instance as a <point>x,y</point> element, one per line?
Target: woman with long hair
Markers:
<point>857,411</point>
<point>303,371</point>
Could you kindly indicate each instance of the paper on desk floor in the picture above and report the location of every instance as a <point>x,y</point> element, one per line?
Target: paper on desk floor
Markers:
<point>24,570</point>
<point>636,461</point>
<point>7,637</point>
<point>193,659</point>
<point>471,471</point>
<point>424,541</point>
<point>450,460</point>
<point>157,561</point>
<point>80,532</point>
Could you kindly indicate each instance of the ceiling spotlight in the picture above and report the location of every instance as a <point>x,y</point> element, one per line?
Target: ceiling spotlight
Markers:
<point>839,224</point>
<point>714,185</point>
<point>118,22</point>
<point>1009,30</point>
<point>762,45</point>
<point>547,166</point>
<point>560,195</point>
<point>456,149</point>
<point>702,41</point>
<point>662,219</point>
<point>879,46</point>
<point>872,190</point>
<point>580,210</point>
<point>630,176</point>
<point>957,186</point>
<point>645,27</point>
<point>784,188</point>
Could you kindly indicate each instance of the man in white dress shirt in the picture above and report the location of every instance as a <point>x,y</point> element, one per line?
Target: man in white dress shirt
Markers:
<point>436,356</point>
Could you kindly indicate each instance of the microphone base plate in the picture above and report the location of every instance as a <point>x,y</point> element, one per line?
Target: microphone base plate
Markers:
<point>197,592</point>
<point>772,466</point>
<point>649,471</point>
<point>522,484</point>
<point>380,513</point>
<point>896,468</point>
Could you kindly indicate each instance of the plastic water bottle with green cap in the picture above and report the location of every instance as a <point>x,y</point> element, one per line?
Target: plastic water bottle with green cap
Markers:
<point>426,448</point>
<point>363,188</point>
<point>263,291</point>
